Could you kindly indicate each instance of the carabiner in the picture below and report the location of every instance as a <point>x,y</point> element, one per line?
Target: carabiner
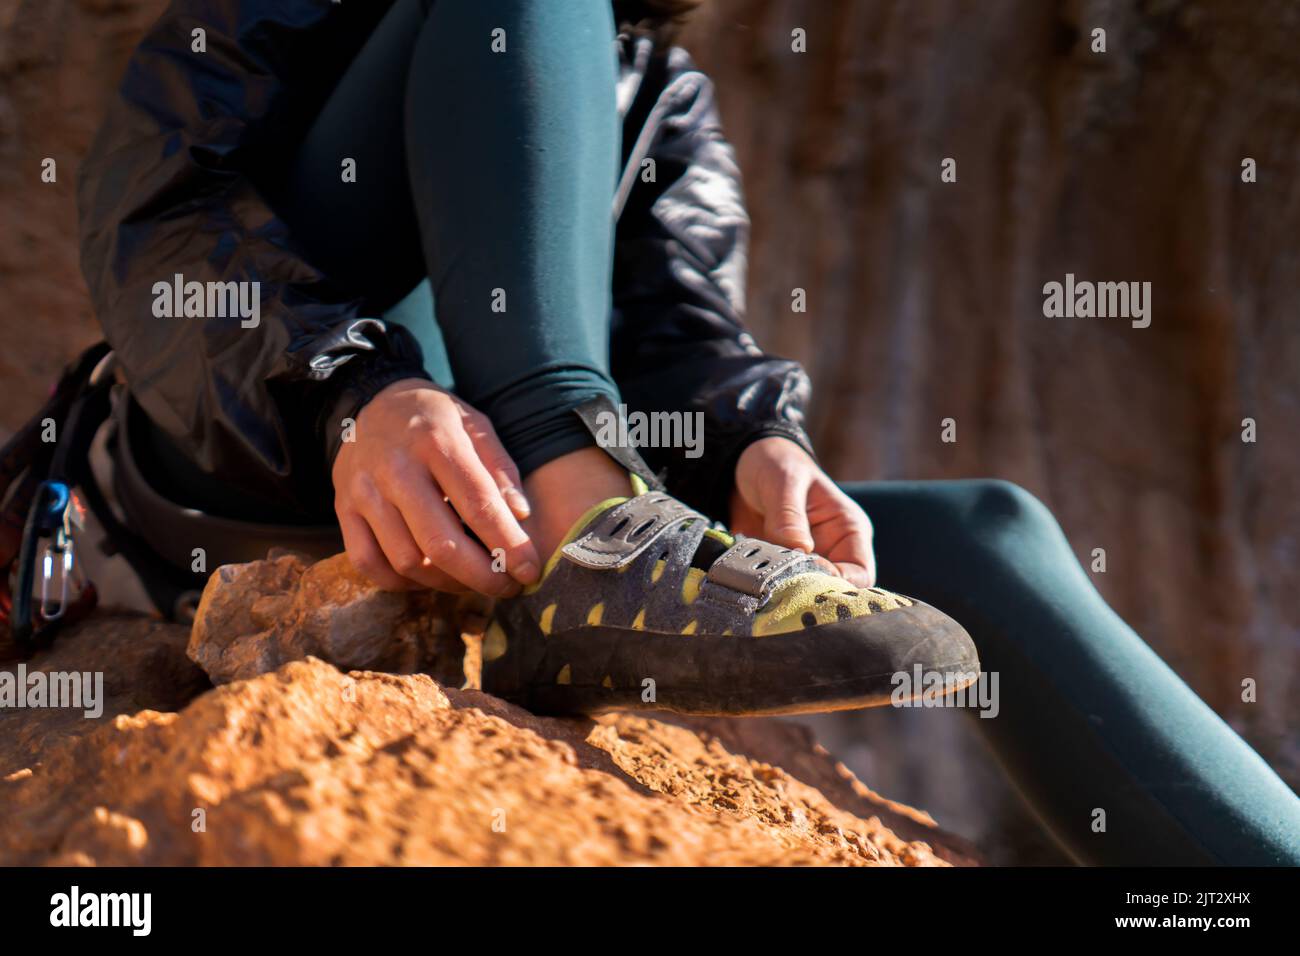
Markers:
<point>54,513</point>
<point>64,547</point>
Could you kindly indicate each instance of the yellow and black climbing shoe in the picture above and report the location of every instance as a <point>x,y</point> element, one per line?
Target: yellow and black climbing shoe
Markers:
<point>647,606</point>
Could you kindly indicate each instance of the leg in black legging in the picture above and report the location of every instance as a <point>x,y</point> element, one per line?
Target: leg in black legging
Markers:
<point>491,171</point>
<point>1090,717</point>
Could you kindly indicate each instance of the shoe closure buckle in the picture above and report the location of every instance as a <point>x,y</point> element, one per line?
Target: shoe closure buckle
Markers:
<point>748,569</point>
<point>624,532</point>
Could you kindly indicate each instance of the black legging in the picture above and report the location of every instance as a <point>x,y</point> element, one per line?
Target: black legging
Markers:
<point>489,170</point>
<point>484,171</point>
<point>1090,718</point>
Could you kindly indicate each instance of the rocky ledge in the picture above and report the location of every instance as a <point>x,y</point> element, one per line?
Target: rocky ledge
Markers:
<point>345,730</point>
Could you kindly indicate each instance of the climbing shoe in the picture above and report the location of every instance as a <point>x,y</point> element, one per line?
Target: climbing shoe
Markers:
<point>648,606</point>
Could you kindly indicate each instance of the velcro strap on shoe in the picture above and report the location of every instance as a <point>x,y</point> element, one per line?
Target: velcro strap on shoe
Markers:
<point>623,532</point>
<point>751,566</point>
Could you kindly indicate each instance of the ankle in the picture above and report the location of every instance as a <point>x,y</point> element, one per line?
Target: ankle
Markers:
<point>565,488</point>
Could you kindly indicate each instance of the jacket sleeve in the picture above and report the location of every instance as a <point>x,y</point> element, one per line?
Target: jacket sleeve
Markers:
<point>164,192</point>
<point>679,341</point>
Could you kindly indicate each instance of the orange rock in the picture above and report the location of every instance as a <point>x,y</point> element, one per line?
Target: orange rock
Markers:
<point>310,765</point>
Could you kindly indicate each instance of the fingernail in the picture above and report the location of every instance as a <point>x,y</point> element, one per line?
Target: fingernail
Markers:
<point>518,503</point>
<point>526,572</point>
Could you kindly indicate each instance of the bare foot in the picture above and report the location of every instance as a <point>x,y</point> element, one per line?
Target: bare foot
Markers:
<point>562,490</point>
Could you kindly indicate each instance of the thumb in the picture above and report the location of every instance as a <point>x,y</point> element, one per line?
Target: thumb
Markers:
<point>785,515</point>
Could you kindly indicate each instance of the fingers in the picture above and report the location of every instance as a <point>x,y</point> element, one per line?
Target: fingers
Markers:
<point>844,535</point>
<point>430,533</point>
<point>857,574</point>
<point>499,464</point>
<point>419,442</point>
<point>867,563</point>
<point>366,555</point>
<point>859,551</point>
<point>785,512</point>
<point>404,555</point>
<point>480,503</point>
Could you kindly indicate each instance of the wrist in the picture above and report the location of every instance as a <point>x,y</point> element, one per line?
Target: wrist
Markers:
<point>763,457</point>
<point>772,451</point>
<point>780,446</point>
<point>355,394</point>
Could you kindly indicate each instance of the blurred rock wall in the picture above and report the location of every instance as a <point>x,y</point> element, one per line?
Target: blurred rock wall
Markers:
<point>925,298</point>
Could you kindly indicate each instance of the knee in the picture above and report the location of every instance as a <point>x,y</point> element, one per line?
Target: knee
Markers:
<point>996,501</point>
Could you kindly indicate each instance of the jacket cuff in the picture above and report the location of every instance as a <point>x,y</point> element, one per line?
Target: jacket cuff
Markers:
<point>776,429</point>
<point>363,357</point>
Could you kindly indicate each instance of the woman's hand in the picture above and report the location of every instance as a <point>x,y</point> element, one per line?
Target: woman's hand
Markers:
<point>422,462</point>
<point>783,497</point>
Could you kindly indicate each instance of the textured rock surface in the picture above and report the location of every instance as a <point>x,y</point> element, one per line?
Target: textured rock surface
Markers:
<point>308,765</point>
<point>254,617</point>
<point>144,667</point>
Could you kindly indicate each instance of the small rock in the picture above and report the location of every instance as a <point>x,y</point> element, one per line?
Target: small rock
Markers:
<point>255,617</point>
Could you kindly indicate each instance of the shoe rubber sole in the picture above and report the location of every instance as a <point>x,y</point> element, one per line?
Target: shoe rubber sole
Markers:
<point>841,665</point>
